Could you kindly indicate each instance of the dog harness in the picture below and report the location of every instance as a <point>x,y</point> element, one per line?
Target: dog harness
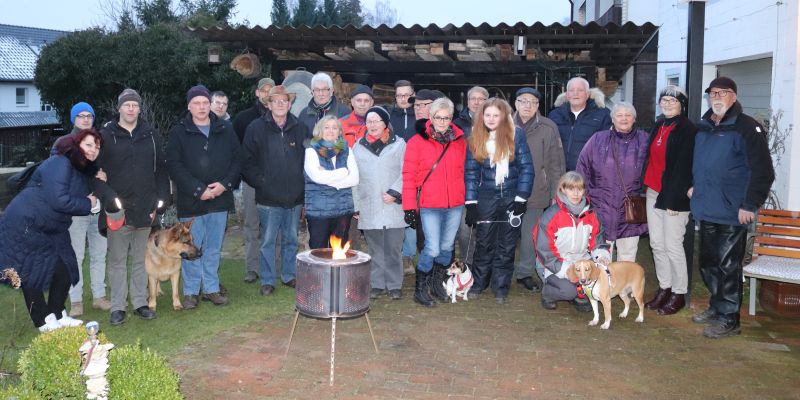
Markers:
<point>463,285</point>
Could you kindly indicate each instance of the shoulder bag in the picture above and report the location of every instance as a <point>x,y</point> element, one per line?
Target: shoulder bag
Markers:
<point>420,233</point>
<point>636,205</point>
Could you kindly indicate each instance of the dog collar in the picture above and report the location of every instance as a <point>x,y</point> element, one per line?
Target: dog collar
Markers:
<point>587,289</point>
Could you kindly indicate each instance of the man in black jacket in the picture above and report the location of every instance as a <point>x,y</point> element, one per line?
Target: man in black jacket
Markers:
<point>203,158</point>
<point>323,103</point>
<point>251,230</point>
<point>402,116</point>
<point>133,160</point>
<point>273,165</point>
<point>476,96</point>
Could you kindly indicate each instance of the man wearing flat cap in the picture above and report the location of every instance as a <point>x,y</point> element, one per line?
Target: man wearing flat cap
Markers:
<point>134,163</point>
<point>273,165</point>
<point>204,162</point>
<point>544,142</point>
<point>732,175</point>
<point>422,101</point>
<point>251,229</point>
<point>355,125</point>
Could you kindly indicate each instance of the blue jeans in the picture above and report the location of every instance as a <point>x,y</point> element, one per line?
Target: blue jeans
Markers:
<point>208,232</point>
<point>440,226</point>
<point>272,220</point>
<point>410,243</point>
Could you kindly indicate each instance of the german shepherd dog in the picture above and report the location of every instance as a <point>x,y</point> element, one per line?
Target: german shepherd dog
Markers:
<point>165,249</point>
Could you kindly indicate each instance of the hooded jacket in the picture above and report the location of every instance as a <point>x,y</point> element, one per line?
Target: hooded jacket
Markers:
<point>273,161</point>
<point>575,132</point>
<point>195,160</point>
<point>136,168</point>
<point>445,186</point>
<point>732,167</point>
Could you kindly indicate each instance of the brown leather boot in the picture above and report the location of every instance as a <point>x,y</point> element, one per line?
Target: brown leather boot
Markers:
<point>659,299</point>
<point>675,303</point>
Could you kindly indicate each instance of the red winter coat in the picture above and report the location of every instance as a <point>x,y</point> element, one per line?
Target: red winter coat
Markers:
<point>445,187</point>
<point>353,129</point>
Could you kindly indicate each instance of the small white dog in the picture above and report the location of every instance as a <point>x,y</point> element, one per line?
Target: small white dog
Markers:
<point>459,282</point>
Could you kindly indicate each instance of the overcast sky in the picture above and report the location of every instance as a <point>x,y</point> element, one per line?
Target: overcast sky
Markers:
<point>81,14</point>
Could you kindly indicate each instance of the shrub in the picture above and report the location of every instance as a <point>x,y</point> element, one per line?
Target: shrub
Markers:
<point>18,393</point>
<point>136,373</point>
<point>51,365</point>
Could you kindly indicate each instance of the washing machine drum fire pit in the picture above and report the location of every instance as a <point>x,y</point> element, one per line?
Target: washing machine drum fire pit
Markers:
<point>332,288</point>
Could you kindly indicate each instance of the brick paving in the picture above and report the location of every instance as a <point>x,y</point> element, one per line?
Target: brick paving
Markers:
<point>481,350</point>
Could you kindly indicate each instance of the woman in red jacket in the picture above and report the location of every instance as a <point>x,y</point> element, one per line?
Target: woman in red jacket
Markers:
<point>433,183</point>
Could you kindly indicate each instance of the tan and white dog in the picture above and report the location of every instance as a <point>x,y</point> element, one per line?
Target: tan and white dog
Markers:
<point>459,282</point>
<point>622,278</point>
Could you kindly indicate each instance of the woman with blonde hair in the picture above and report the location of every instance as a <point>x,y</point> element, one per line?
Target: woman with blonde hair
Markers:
<point>498,179</point>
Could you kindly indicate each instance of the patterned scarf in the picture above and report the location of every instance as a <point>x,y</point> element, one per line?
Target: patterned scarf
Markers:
<point>326,149</point>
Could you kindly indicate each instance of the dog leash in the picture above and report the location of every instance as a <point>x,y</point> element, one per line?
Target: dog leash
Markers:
<point>513,220</point>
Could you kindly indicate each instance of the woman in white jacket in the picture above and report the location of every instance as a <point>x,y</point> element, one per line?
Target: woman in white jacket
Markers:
<point>330,173</point>
<point>379,155</point>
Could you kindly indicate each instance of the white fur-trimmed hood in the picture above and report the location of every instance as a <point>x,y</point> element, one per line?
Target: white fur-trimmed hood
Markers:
<point>594,93</point>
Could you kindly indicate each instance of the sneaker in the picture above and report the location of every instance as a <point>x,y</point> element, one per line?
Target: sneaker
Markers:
<point>396,294</point>
<point>375,293</point>
<point>250,277</point>
<point>190,301</point>
<point>408,265</point>
<point>101,303</point>
<point>50,324</point>
<point>145,313</point>
<point>66,320</point>
<point>75,309</point>
<point>216,298</point>
<point>708,316</point>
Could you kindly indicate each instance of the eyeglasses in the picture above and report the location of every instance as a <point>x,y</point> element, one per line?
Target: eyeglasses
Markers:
<point>221,103</point>
<point>420,105</point>
<point>477,99</point>
<point>441,119</point>
<point>719,93</point>
<point>668,101</point>
<point>321,90</point>
<point>527,103</point>
<point>84,116</point>
<point>279,102</point>
<point>131,106</point>
<point>374,121</point>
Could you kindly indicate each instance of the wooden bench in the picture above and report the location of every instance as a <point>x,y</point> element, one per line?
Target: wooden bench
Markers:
<point>776,251</point>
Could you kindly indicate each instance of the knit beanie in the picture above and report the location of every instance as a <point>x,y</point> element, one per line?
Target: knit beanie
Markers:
<point>128,95</point>
<point>78,108</point>
<point>198,90</point>
<point>361,89</point>
<point>381,112</point>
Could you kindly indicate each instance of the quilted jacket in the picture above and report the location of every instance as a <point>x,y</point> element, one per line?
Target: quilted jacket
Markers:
<point>480,176</point>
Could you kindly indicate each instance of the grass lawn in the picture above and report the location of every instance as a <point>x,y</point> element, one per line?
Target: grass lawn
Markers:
<point>168,333</point>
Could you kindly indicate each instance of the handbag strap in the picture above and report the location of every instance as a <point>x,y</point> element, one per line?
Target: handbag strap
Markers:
<point>419,188</point>
<point>616,165</point>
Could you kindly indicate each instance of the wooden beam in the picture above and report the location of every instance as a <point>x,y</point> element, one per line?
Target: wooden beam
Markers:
<point>429,67</point>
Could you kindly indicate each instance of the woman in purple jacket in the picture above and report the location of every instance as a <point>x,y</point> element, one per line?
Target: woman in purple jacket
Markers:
<point>612,163</point>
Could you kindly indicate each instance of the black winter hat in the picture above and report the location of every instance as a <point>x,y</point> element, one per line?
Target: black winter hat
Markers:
<point>381,112</point>
<point>531,91</point>
<point>361,89</point>
<point>426,94</point>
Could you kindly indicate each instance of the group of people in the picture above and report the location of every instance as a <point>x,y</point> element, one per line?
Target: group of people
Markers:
<point>411,177</point>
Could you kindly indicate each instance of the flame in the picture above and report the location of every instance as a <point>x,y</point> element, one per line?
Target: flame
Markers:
<point>339,252</point>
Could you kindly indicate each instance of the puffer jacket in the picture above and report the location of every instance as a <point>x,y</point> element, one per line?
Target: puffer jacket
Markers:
<point>273,161</point>
<point>354,129</point>
<point>34,229</point>
<point>310,115</point>
<point>548,158</point>
<point>329,199</point>
<point>402,121</point>
<point>464,121</point>
<point>575,132</point>
<point>561,237</point>
<point>136,167</point>
<point>603,186</point>
<point>445,186</point>
<point>479,177</point>
<point>732,167</point>
<point>380,169</point>
<point>194,161</point>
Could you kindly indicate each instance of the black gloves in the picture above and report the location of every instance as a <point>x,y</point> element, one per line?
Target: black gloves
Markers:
<point>518,207</point>
<point>472,214</point>
<point>411,218</point>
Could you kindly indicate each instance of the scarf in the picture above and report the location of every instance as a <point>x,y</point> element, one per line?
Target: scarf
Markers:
<point>443,137</point>
<point>576,210</point>
<point>321,110</point>
<point>326,149</point>
<point>376,144</point>
<point>501,166</point>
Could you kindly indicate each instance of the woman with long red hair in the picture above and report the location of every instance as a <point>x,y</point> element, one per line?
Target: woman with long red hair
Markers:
<point>498,178</point>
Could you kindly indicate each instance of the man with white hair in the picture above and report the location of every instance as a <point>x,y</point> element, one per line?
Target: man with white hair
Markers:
<point>322,103</point>
<point>578,119</point>
<point>476,96</point>
<point>732,175</point>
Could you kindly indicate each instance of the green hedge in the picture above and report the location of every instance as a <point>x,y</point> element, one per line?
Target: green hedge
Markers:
<point>51,366</point>
<point>134,373</point>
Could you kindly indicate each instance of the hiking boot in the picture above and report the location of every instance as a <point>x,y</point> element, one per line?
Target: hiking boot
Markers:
<point>396,294</point>
<point>190,301</point>
<point>706,317</point>
<point>216,298</point>
<point>75,309</point>
<point>375,293</point>
<point>408,265</point>
<point>421,295</point>
<point>50,324</point>
<point>67,321</point>
<point>530,284</point>
<point>145,313</point>
<point>724,327</point>
<point>250,277</point>
<point>101,303</point>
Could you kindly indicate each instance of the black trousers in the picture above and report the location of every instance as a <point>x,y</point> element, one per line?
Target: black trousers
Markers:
<point>722,249</point>
<point>321,229</point>
<point>38,308</point>
<point>495,244</point>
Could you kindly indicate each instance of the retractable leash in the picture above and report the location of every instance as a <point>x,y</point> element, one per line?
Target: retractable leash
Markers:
<point>513,220</point>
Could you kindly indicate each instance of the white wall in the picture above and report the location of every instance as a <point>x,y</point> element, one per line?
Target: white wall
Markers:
<point>8,97</point>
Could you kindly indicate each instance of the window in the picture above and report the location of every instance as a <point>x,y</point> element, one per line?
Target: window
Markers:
<point>673,80</point>
<point>22,96</point>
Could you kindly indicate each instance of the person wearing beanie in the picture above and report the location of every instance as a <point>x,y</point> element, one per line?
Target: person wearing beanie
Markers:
<point>378,195</point>
<point>732,174</point>
<point>84,229</point>
<point>361,98</point>
<point>544,143</point>
<point>136,168</point>
<point>250,225</point>
<point>667,176</point>
<point>322,103</point>
<point>204,162</point>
